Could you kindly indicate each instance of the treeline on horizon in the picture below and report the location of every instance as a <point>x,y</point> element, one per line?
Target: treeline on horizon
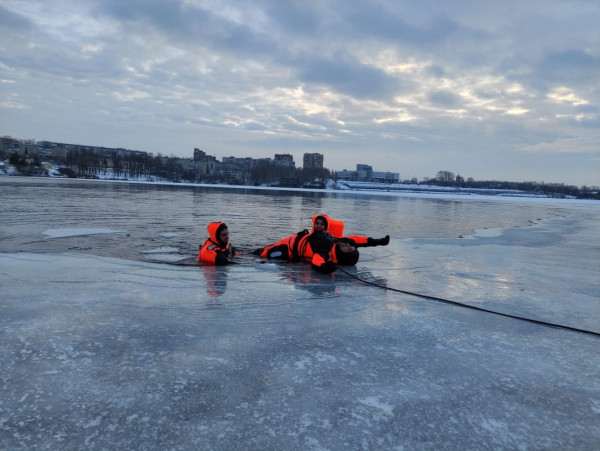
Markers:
<point>143,165</point>
<point>447,178</point>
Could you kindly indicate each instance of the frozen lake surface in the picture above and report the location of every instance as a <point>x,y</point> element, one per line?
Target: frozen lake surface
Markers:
<point>112,336</point>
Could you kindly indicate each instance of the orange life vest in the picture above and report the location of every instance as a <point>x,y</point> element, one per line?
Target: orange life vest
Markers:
<point>213,251</point>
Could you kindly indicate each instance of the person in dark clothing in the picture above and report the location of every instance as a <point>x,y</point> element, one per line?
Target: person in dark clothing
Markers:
<point>322,248</point>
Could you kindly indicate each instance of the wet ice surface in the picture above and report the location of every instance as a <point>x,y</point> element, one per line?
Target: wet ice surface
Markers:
<point>109,353</point>
<point>113,337</point>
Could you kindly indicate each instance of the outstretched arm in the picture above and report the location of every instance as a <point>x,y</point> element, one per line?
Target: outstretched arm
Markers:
<point>364,241</point>
<point>279,251</point>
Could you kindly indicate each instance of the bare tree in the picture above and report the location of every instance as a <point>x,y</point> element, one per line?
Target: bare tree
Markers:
<point>445,178</point>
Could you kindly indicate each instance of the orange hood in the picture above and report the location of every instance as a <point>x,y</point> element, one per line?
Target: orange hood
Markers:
<point>214,229</point>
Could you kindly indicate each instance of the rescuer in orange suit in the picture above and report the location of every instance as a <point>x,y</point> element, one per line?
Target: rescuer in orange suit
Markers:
<point>324,247</point>
<point>217,250</point>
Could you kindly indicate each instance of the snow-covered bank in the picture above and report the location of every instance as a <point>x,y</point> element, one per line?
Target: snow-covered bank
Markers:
<point>363,188</point>
<point>432,188</point>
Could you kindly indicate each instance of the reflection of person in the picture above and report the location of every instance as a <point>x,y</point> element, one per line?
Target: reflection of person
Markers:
<point>216,280</point>
<point>323,247</point>
<point>302,276</point>
<point>217,250</point>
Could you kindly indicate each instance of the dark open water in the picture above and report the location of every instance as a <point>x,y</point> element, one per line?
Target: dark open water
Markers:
<point>145,213</point>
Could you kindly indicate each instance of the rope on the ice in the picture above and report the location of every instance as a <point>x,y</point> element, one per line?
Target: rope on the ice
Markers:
<point>472,307</point>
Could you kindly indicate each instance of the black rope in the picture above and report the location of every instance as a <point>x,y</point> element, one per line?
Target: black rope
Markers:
<point>472,307</point>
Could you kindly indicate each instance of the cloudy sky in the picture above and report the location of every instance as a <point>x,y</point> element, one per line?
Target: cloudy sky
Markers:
<point>505,90</point>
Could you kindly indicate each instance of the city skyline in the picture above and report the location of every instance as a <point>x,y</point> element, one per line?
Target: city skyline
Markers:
<point>28,157</point>
<point>493,91</point>
<point>43,147</point>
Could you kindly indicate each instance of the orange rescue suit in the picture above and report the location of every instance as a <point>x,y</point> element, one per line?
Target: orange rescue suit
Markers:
<point>213,251</point>
<point>318,248</point>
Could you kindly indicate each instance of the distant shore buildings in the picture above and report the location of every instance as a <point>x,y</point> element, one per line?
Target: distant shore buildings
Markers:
<point>44,158</point>
<point>202,166</point>
<point>365,173</point>
<point>312,161</point>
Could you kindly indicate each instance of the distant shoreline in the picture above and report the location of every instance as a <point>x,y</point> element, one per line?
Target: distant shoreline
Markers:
<point>373,189</point>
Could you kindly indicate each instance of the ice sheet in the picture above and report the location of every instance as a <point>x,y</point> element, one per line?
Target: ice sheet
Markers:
<point>112,348</point>
<point>109,353</point>
<point>167,235</point>
<point>65,233</point>
<point>160,250</point>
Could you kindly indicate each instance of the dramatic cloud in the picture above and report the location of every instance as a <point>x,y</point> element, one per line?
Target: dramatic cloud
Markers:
<point>491,90</point>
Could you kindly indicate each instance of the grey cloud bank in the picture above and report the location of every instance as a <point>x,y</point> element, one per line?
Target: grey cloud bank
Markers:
<point>491,91</point>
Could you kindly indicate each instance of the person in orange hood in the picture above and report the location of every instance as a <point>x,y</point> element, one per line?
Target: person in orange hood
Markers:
<point>217,250</point>
<point>323,247</point>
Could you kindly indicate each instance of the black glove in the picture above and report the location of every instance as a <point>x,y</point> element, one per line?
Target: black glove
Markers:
<point>378,242</point>
<point>325,268</point>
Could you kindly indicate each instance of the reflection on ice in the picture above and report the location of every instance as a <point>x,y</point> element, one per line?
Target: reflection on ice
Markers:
<point>302,277</point>
<point>216,279</point>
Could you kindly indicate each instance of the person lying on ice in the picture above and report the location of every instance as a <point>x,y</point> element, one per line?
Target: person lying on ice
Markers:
<point>324,247</point>
<point>217,250</point>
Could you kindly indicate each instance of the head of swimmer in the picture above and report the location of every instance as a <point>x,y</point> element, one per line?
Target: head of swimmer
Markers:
<point>320,224</point>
